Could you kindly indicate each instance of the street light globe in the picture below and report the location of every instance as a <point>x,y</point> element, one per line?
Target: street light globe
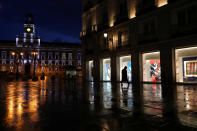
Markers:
<point>105,35</point>
<point>13,53</point>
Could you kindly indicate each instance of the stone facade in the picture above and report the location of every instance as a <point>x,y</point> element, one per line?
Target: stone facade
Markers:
<point>155,35</point>
<point>50,58</point>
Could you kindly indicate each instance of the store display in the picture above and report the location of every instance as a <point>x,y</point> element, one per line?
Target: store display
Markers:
<point>129,71</point>
<point>108,72</point>
<point>190,68</point>
<point>155,73</point>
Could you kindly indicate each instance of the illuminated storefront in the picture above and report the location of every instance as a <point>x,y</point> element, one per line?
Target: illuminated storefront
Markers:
<point>106,69</point>
<point>151,67</point>
<point>90,70</point>
<point>125,61</point>
<point>186,64</point>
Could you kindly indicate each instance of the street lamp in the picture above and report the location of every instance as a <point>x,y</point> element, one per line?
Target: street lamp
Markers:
<point>21,53</point>
<point>108,39</point>
<point>13,53</point>
<point>105,35</point>
<point>34,54</point>
<point>16,62</point>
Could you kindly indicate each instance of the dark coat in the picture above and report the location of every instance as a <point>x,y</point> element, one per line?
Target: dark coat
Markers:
<point>124,75</point>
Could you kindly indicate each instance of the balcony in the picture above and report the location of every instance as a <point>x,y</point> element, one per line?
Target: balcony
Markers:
<point>180,31</point>
<point>122,45</point>
<point>147,38</point>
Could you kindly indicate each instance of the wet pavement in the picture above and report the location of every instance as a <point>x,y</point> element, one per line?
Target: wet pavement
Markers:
<point>73,106</point>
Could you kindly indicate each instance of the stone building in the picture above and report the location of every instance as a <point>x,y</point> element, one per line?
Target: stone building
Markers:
<point>28,54</point>
<point>155,39</point>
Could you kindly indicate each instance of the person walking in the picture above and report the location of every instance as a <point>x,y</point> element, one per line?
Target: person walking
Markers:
<point>124,75</point>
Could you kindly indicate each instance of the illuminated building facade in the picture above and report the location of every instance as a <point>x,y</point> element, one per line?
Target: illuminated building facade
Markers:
<point>29,55</point>
<point>155,39</point>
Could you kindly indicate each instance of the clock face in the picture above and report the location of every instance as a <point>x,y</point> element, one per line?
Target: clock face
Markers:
<point>28,29</point>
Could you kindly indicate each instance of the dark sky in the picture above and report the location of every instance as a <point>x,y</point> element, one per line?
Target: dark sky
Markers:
<point>55,20</point>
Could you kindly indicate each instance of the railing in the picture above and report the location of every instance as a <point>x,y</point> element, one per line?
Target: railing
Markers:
<point>188,29</point>
<point>147,38</point>
<point>122,45</point>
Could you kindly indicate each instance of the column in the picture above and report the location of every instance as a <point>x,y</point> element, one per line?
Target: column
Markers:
<point>113,67</point>
<point>167,57</point>
<point>135,59</point>
<point>96,69</point>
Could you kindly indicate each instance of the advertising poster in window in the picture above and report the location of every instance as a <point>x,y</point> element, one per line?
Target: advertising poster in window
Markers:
<point>155,72</point>
<point>108,72</point>
<point>129,71</point>
<point>190,68</point>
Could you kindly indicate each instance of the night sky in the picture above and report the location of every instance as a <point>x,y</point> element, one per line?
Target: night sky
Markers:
<point>55,20</point>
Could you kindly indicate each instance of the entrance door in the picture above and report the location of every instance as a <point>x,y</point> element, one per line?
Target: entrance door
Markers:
<point>27,68</point>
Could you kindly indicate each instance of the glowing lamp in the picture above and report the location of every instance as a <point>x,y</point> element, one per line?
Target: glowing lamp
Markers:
<point>105,35</point>
<point>13,53</point>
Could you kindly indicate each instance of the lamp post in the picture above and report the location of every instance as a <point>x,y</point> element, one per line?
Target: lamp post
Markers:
<point>15,55</point>
<point>105,36</point>
<point>21,58</point>
<point>34,54</point>
<point>108,39</point>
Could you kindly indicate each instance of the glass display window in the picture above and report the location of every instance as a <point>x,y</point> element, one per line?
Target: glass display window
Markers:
<point>126,61</point>
<point>186,64</point>
<point>151,67</point>
<point>106,69</point>
<point>90,70</point>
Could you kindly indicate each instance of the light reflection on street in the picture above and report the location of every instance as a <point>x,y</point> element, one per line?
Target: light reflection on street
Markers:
<point>24,101</point>
<point>152,94</point>
<point>107,95</point>
<point>187,105</point>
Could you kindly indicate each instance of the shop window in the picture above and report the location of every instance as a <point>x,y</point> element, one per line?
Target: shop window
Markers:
<point>106,70</point>
<point>90,70</point>
<point>151,67</point>
<point>186,65</point>
<point>125,61</point>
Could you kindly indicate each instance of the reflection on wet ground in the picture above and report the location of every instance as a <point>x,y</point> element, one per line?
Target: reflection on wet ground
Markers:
<point>73,106</point>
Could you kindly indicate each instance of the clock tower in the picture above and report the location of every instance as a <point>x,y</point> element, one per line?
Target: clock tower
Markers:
<point>28,39</point>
